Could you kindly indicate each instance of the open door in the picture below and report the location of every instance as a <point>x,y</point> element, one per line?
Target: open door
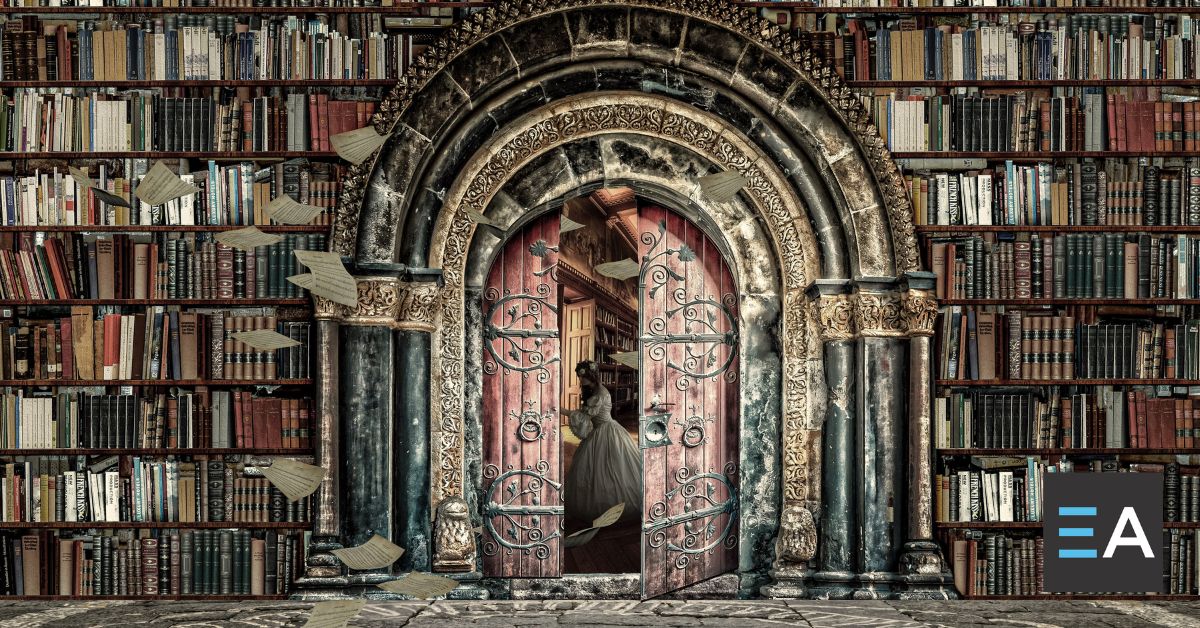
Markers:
<point>522,468</point>
<point>689,397</point>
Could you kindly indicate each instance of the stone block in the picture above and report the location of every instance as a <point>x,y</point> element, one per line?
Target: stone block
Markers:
<point>655,34</point>
<point>599,27</point>
<point>488,62</point>
<point>711,50</point>
<point>538,40</point>
<point>433,106</point>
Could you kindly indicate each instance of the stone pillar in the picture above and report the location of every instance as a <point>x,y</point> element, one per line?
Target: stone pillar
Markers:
<point>879,439</point>
<point>923,570</point>
<point>327,520</point>
<point>414,322</point>
<point>839,520</point>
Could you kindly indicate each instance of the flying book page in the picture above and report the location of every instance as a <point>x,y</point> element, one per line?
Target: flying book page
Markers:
<point>376,553</point>
<point>566,225</point>
<point>622,270</point>
<point>480,219</point>
<point>161,185</point>
<point>327,277</point>
<point>628,358</point>
<point>606,519</point>
<point>294,479</point>
<point>722,186</point>
<point>248,239</point>
<point>265,339</point>
<point>286,210</point>
<point>82,179</point>
<point>357,145</point>
<point>421,586</point>
<point>334,614</point>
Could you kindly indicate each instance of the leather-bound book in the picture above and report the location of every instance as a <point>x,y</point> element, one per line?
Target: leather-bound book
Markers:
<point>150,566</point>
<point>225,562</point>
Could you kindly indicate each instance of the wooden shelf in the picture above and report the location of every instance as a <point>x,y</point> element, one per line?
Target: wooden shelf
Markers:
<point>160,228</point>
<point>164,597</point>
<point>1066,451</point>
<point>209,83</point>
<point>952,383</point>
<point>1078,301</point>
<point>186,302</point>
<point>615,367</point>
<point>1058,228</point>
<point>1041,155</point>
<point>155,451</point>
<point>805,7</point>
<point>1172,597</point>
<point>400,9</point>
<point>155,382</point>
<point>1037,525</point>
<point>171,525</point>
<point>1026,84</point>
<point>215,155</point>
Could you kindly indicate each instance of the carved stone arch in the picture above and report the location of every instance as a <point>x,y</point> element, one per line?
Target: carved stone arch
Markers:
<point>526,83</point>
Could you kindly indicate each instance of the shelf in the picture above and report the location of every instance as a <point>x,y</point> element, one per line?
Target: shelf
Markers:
<point>160,228</point>
<point>401,9</point>
<point>154,451</point>
<point>1059,228</point>
<point>616,367</point>
<point>1067,382</point>
<point>171,525</point>
<point>1026,84</point>
<point>163,597</point>
<point>1172,597</point>
<point>215,155</point>
<point>1067,451</point>
<point>804,7</point>
<point>1037,525</point>
<point>1078,301</point>
<point>613,328</point>
<point>187,302</point>
<point>1041,155</point>
<point>209,83</point>
<point>154,382</point>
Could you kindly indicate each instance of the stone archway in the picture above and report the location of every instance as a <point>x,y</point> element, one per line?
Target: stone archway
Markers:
<point>522,84</point>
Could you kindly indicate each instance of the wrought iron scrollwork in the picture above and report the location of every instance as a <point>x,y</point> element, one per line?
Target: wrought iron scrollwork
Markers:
<point>692,428</point>
<point>512,525</point>
<point>530,422</point>
<point>505,333</point>
<point>698,509</point>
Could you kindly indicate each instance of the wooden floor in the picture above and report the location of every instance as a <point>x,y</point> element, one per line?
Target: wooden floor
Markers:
<point>615,549</point>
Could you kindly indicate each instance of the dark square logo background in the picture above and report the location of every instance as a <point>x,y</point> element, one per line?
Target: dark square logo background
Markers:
<point>1128,571</point>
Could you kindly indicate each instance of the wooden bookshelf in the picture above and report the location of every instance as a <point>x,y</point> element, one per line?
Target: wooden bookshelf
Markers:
<point>806,7</point>
<point>400,9</point>
<point>1037,525</point>
<point>1041,155</point>
<point>156,525</point>
<point>213,155</point>
<point>1068,451</point>
<point>958,383</point>
<point>1025,84</point>
<point>156,451</point>
<point>160,228</point>
<point>1076,301</point>
<point>207,83</point>
<point>303,302</point>
<point>155,382</point>
<point>969,229</point>
<point>164,597</point>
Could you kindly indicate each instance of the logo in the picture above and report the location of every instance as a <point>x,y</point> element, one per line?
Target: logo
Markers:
<point>1103,532</point>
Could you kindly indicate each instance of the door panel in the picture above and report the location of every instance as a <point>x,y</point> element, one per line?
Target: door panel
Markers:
<point>578,344</point>
<point>689,370</point>
<point>522,469</point>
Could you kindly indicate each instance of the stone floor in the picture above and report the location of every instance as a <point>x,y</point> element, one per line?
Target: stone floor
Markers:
<point>805,614</point>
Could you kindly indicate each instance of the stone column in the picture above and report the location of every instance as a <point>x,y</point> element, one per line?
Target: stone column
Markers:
<point>414,322</point>
<point>839,519</point>
<point>879,440</point>
<point>327,519</point>
<point>922,567</point>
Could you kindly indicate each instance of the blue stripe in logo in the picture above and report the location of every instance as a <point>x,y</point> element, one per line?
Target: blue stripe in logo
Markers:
<point>1077,511</point>
<point>1075,531</point>
<point>1076,553</point>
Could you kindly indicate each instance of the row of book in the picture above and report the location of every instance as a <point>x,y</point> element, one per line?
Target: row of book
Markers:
<point>1072,119</point>
<point>202,418</point>
<point>1064,266</point>
<point>171,49</point>
<point>1111,192</point>
<point>134,489</point>
<point>1073,47</point>
<point>189,266</point>
<point>157,343</point>
<point>237,194</point>
<point>150,562</point>
<point>87,120</point>
<point>997,564</point>
<point>197,3</point>
<point>1135,417</point>
<point>970,3</point>
<point>979,345</point>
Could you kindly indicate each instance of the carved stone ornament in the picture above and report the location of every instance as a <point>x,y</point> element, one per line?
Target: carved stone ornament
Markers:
<point>797,541</point>
<point>878,314</point>
<point>919,310</point>
<point>385,302</point>
<point>835,313</point>
<point>796,55</point>
<point>453,537</point>
<point>418,306</point>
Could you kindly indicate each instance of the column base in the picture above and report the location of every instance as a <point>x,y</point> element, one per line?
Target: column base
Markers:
<point>788,582</point>
<point>926,587</point>
<point>321,562</point>
<point>876,585</point>
<point>832,585</point>
<point>922,557</point>
<point>924,575</point>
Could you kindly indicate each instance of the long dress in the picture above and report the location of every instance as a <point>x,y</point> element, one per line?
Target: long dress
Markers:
<point>607,467</point>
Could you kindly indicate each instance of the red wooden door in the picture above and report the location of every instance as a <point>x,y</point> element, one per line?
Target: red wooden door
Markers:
<point>689,394</point>
<point>522,470</point>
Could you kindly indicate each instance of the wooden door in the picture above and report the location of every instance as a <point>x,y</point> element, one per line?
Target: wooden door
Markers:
<point>522,469</point>
<point>578,344</point>
<point>689,396</point>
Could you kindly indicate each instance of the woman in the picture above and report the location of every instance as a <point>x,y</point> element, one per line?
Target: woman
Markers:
<point>607,467</point>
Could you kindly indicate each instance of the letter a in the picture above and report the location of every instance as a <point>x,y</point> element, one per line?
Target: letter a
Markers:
<point>1128,517</point>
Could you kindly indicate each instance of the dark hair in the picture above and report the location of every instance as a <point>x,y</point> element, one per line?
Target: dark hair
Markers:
<point>589,368</point>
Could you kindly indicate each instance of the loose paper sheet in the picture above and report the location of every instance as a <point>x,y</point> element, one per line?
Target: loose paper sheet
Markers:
<point>328,277</point>
<point>622,270</point>
<point>421,586</point>
<point>248,239</point>
<point>585,535</point>
<point>161,185</point>
<point>294,479</point>
<point>335,614</point>
<point>104,195</point>
<point>566,225</point>
<point>722,186</point>
<point>479,218</point>
<point>377,552</point>
<point>286,210</point>
<point>265,339</point>
<point>357,145</point>
<point>628,358</point>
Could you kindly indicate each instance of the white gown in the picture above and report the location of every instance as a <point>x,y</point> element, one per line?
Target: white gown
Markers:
<point>607,467</point>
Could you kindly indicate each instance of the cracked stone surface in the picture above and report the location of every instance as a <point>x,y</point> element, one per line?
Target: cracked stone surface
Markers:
<point>600,613</point>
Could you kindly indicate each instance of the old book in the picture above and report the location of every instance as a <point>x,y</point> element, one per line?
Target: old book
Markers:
<point>188,349</point>
<point>82,341</point>
<point>225,561</point>
<point>149,579</point>
<point>105,268</point>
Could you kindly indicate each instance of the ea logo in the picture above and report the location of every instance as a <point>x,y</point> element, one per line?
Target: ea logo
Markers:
<point>1103,532</point>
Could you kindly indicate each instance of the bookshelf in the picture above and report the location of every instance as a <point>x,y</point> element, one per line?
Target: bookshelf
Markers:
<point>1025,129</point>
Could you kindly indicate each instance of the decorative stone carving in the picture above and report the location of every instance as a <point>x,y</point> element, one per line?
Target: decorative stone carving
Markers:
<point>878,314</point>
<point>378,302</point>
<point>835,313</point>
<point>919,310</point>
<point>797,541</point>
<point>387,302</point>
<point>453,537</point>
<point>418,306</point>
<point>798,56</point>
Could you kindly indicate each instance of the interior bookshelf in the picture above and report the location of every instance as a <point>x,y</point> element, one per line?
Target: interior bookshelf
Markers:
<point>616,333</point>
<point>1053,170</point>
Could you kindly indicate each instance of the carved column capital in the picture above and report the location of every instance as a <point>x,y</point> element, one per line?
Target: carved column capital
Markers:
<point>878,314</point>
<point>378,302</point>
<point>386,302</point>
<point>835,314</point>
<point>919,310</point>
<point>419,304</point>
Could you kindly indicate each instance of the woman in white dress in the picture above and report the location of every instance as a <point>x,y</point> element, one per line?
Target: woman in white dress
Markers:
<point>607,467</point>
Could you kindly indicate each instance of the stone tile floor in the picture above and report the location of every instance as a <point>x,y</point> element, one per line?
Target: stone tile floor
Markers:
<point>801,613</point>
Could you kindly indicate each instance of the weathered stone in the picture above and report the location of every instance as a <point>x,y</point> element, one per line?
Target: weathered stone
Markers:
<point>601,27</point>
<point>710,46</point>
<point>540,39</point>
<point>489,61</point>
